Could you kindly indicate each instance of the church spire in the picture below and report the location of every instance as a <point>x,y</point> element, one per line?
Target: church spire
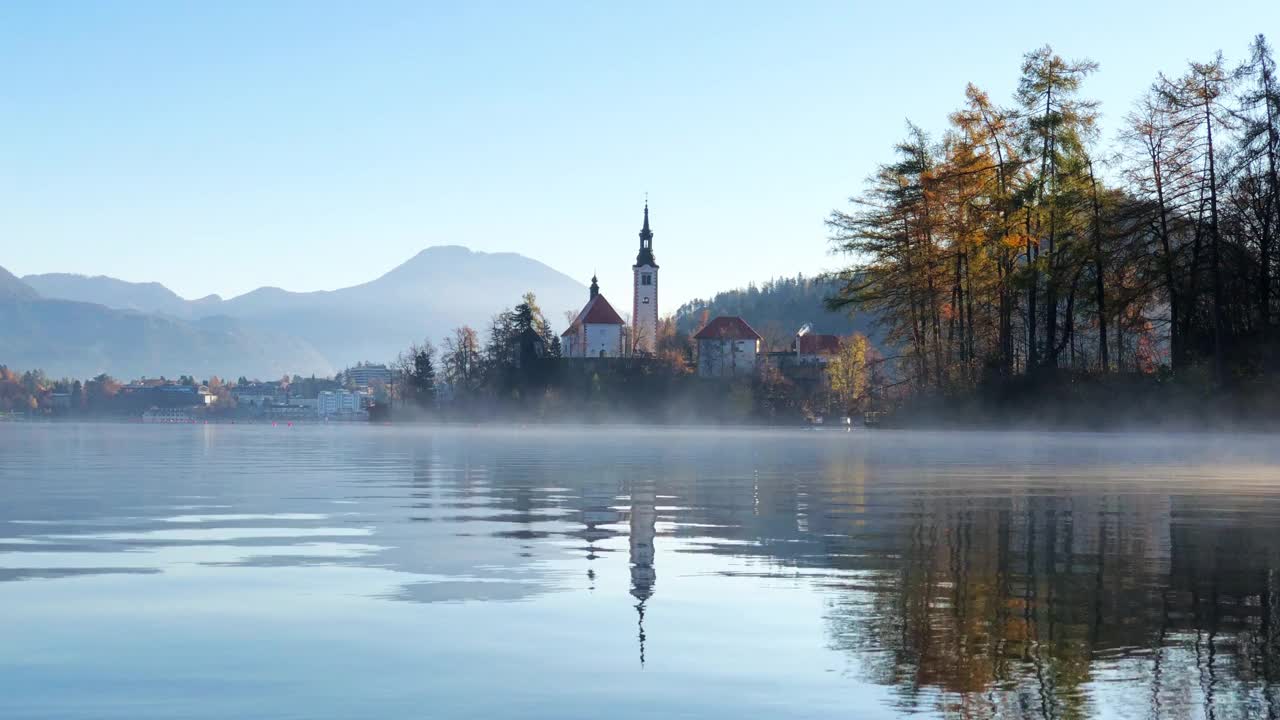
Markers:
<point>646,241</point>
<point>595,286</point>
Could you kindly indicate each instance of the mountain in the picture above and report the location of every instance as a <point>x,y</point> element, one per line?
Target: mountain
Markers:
<point>82,339</point>
<point>74,339</point>
<point>150,297</point>
<point>779,308</point>
<point>11,288</point>
<point>425,297</point>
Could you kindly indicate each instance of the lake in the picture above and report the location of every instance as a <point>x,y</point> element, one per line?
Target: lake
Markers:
<point>376,572</point>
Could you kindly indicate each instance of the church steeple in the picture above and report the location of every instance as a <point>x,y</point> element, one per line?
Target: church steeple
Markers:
<point>646,242</point>
<point>595,286</point>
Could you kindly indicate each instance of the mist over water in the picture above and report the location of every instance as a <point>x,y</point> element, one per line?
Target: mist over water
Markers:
<point>321,572</point>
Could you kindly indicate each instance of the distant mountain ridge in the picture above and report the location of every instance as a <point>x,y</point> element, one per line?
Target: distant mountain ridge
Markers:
<point>427,296</point>
<point>82,339</point>
<point>148,297</point>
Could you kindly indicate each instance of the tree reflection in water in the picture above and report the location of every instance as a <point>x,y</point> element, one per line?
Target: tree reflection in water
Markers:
<point>1029,604</point>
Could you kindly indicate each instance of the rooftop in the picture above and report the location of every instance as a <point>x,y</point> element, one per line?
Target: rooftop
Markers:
<point>727,327</point>
<point>597,311</point>
<point>817,344</point>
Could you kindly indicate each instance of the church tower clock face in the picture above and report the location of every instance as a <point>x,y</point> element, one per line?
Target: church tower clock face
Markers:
<point>644,310</point>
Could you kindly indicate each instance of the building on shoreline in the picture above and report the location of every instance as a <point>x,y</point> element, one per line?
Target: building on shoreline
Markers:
<point>727,347</point>
<point>146,393</point>
<point>259,395</point>
<point>168,415</point>
<point>367,375</point>
<point>597,331</point>
<point>339,402</point>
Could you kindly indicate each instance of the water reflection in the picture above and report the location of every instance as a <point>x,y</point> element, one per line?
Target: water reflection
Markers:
<point>644,522</point>
<point>971,575</point>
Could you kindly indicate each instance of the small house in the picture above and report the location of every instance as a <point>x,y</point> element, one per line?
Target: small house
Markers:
<point>727,347</point>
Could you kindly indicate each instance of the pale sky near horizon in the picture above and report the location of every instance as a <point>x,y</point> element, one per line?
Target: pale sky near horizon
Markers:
<point>219,147</point>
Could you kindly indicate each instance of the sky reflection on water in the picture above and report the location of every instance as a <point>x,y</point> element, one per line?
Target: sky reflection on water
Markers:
<point>155,572</point>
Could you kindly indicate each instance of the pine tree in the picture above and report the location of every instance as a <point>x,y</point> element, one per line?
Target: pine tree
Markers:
<point>422,378</point>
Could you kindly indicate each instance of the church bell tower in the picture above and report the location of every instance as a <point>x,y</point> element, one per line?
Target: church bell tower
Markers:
<point>644,310</point>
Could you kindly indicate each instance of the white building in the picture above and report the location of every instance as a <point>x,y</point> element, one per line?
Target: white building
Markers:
<point>339,402</point>
<point>168,415</point>
<point>727,347</point>
<point>644,307</point>
<point>596,332</point>
<point>367,375</point>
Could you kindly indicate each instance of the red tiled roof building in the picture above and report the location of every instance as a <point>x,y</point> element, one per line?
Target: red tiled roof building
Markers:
<point>597,331</point>
<point>727,347</point>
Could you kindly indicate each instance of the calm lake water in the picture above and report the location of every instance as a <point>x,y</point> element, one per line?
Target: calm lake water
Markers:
<point>374,572</point>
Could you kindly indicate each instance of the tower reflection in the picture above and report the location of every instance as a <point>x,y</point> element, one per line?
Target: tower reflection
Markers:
<point>643,523</point>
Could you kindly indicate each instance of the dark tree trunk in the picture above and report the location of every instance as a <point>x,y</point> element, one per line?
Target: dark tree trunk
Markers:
<point>1177,356</point>
<point>1099,280</point>
<point>1033,360</point>
<point>1219,371</point>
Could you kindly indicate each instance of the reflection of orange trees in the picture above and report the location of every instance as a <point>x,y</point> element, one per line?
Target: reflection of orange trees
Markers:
<point>1018,604</point>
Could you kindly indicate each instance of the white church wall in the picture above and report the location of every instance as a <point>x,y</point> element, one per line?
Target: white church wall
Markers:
<point>727,357</point>
<point>602,340</point>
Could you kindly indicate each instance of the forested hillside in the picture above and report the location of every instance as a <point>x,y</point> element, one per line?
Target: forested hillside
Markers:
<point>778,308</point>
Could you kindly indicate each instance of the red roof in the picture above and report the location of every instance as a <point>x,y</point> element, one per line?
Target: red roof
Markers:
<point>819,344</point>
<point>727,327</point>
<point>597,311</point>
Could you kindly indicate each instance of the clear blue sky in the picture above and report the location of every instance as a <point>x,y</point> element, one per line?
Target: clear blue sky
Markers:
<point>217,147</point>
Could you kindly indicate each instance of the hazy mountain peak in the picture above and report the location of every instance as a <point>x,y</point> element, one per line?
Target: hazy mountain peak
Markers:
<point>426,296</point>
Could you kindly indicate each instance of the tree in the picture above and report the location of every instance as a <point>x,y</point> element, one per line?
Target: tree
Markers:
<point>987,142</point>
<point>422,378</point>
<point>893,230</point>
<point>1058,123</point>
<point>537,320</point>
<point>1259,163</point>
<point>847,373</point>
<point>100,391</point>
<point>1198,95</point>
<point>1158,155</point>
<point>461,361</point>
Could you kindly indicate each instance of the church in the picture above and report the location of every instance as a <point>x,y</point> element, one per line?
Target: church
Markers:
<point>598,330</point>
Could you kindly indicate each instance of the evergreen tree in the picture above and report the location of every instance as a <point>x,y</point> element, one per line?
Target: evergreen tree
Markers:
<point>422,379</point>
